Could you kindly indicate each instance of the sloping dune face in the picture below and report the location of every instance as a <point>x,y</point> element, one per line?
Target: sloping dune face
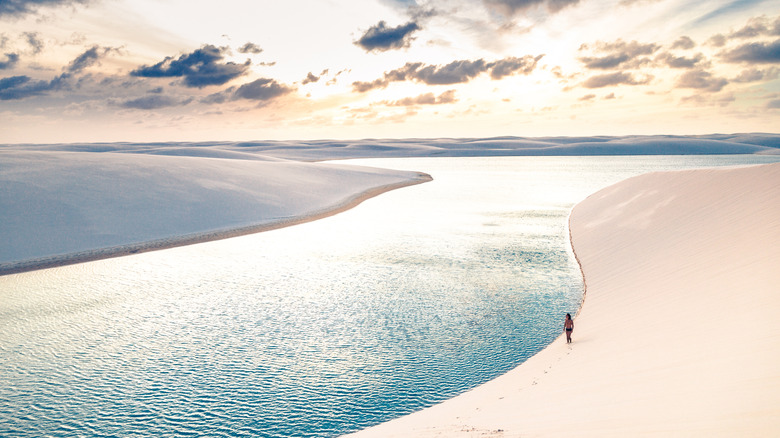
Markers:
<point>675,335</point>
<point>682,289</point>
<point>57,203</point>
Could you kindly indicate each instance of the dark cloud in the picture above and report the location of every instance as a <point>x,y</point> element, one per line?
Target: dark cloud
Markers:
<point>250,48</point>
<point>310,78</point>
<point>34,40</point>
<point>425,99</point>
<point>701,80</point>
<point>18,8</point>
<point>153,101</point>
<point>88,58</point>
<point>261,89</point>
<point>612,79</point>
<point>199,69</point>
<point>512,7</point>
<point>21,87</point>
<point>773,104</point>
<point>680,61</point>
<point>456,72</point>
<point>619,54</point>
<point>684,42</point>
<point>587,98</point>
<point>10,61</point>
<point>382,38</point>
<point>754,53</point>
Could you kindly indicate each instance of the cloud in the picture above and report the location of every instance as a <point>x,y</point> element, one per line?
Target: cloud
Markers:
<point>261,90</point>
<point>680,61</point>
<point>425,99</point>
<point>773,104</point>
<point>612,79</point>
<point>153,101</point>
<point>34,40</point>
<point>513,7</point>
<point>756,75</point>
<point>512,65</point>
<point>199,69</point>
<point>310,78</point>
<point>700,99</point>
<point>718,40</point>
<point>10,61</point>
<point>619,54</point>
<point>382,38</point>
<point>18,8</point>
<point>755,27</point>
<point>22,87</point>
<point>684,42</point>
<point>758,26</point>
<point>456,72</point>
<point>701,80</point>
<point>88,58</point>
<point>754,53</point>
<point>250,48</point>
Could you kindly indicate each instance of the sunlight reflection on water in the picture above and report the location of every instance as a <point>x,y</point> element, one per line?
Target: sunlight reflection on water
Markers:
<point>314,330</point>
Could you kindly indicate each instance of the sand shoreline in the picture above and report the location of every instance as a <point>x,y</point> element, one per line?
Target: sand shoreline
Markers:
<point>671,338</point>
<point>190,239</point>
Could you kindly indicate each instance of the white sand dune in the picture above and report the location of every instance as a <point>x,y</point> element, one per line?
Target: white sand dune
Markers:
<point>70,203</point>
<point>68,207</point>
<point>677,333</point>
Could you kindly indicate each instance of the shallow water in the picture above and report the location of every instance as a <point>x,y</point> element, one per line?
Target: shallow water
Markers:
<point>314,330</point>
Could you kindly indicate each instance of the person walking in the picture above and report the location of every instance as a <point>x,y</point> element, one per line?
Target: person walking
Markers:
<point>568,327</point>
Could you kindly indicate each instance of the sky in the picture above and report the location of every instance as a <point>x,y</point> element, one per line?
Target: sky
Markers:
<point>191,70</point>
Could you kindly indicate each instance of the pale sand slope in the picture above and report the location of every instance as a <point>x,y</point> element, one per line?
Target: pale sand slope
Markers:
<point>677,335</point>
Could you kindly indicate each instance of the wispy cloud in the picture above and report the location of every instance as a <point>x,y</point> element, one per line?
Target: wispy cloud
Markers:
<point>618,54</point>
<point>88,58</point>
<point>153,101</point>
<point>513,7</point>
<point>424,99</point>
<point>18,8</point>
<point>617,78</point>
<point>456,72</point>
<point>34,40</point>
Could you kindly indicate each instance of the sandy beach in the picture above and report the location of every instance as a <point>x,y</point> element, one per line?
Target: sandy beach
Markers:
<point>675,335</point>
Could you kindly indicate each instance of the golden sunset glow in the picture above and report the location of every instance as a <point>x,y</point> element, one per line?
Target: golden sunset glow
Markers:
<point>109,70</point>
